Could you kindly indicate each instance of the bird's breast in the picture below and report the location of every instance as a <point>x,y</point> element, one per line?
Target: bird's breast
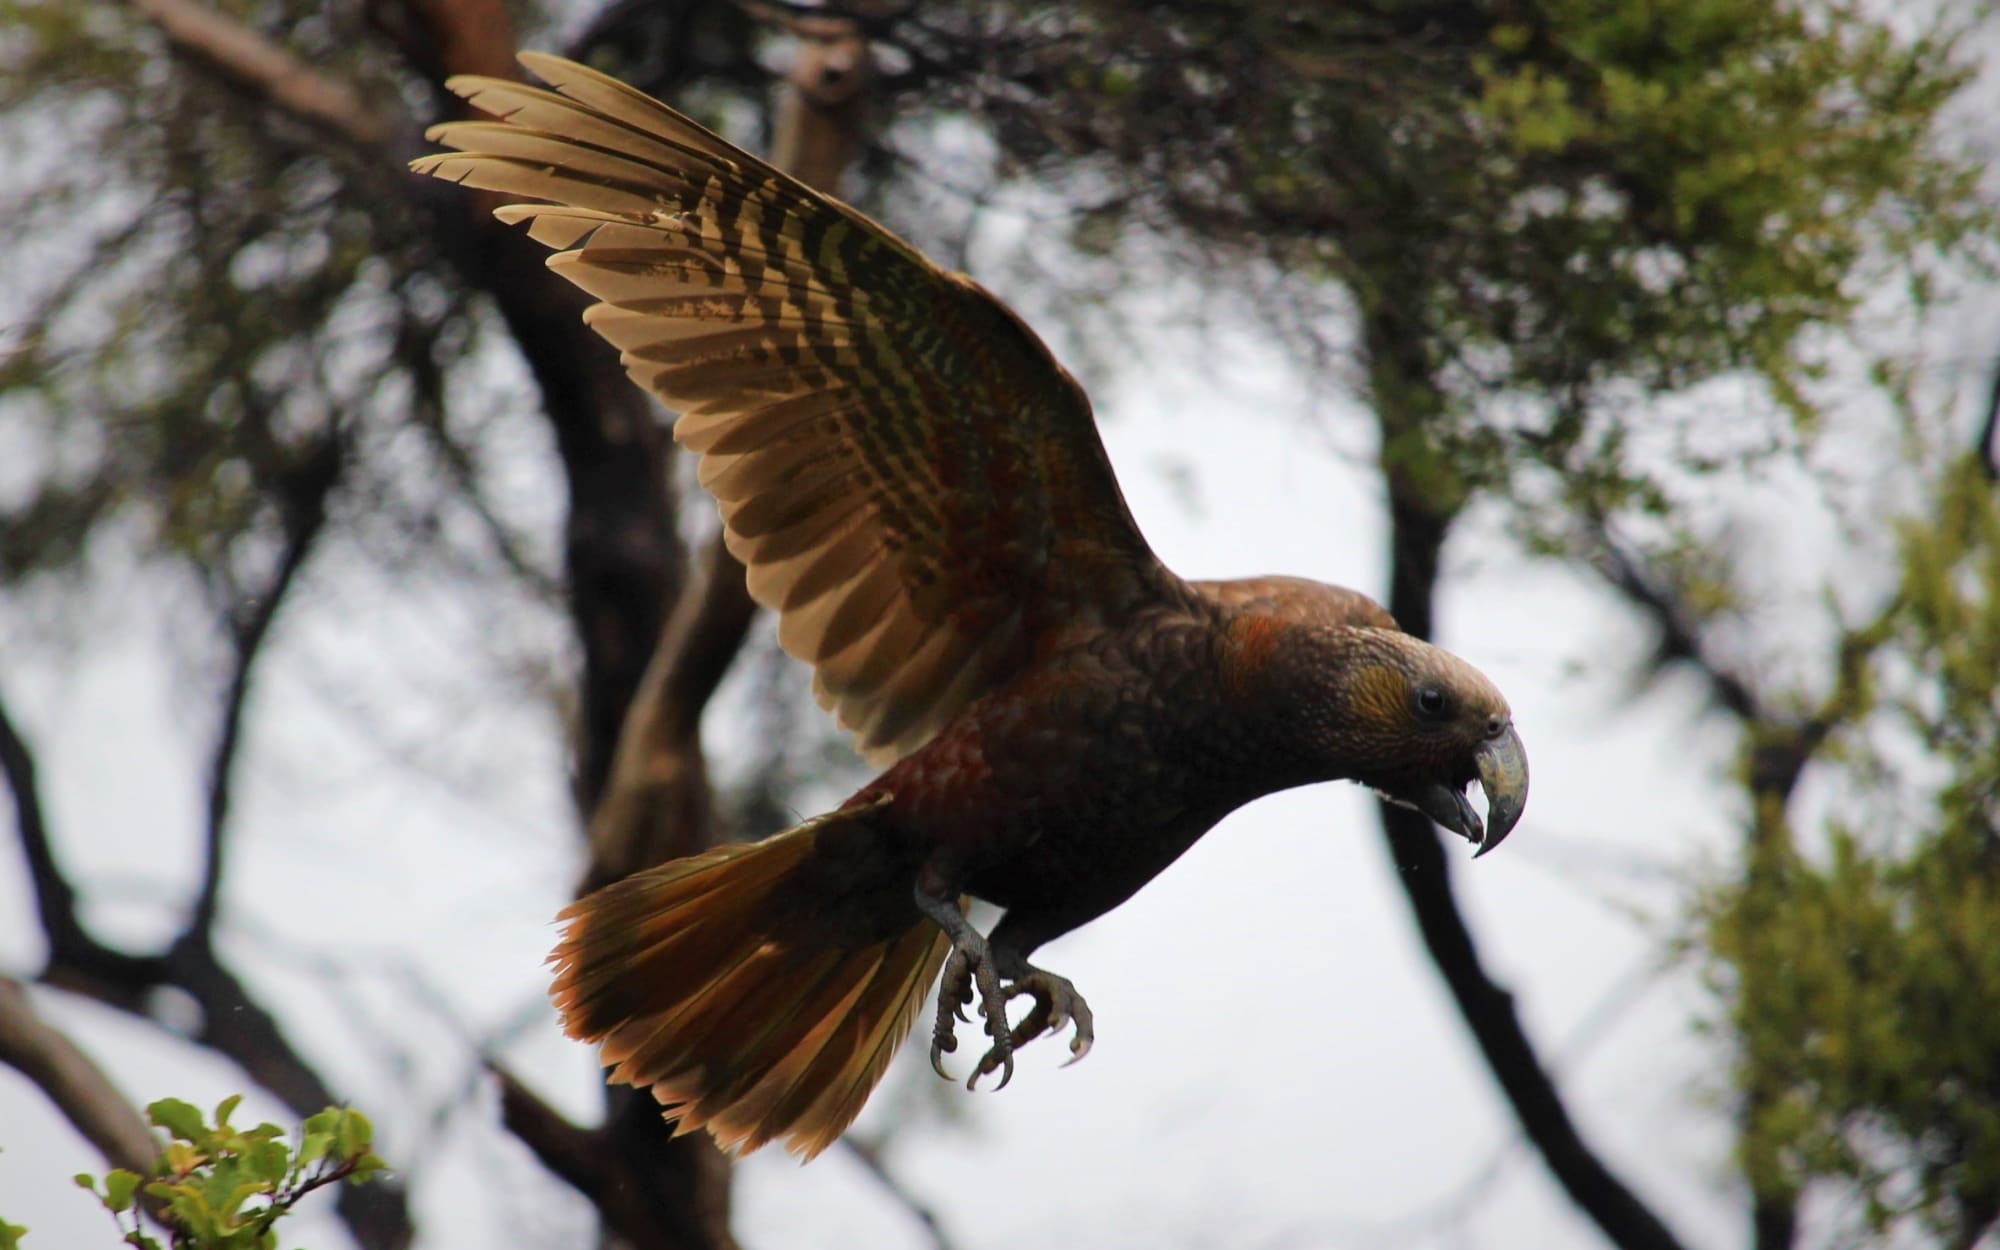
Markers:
<point>1092,771</point>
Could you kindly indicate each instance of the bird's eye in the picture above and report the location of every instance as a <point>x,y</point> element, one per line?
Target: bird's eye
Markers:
<point>1431,701</point>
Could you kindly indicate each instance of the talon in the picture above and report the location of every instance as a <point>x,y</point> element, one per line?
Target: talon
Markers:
<point>970,975</point>
<point>1057,1006</point>
<point>1004,1066</point>
<point>953,988</point>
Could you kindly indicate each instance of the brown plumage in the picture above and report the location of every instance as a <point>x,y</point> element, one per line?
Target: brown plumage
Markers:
<point>917,488</point>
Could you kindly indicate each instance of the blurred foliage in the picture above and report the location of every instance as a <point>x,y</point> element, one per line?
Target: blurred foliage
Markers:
<point>218,1187</point>
<point>1863,986</point>
<point>1545,199</point>
<point>1551,201</point>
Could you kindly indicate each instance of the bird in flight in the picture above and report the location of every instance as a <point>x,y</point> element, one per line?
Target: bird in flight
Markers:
<point>917,488</point>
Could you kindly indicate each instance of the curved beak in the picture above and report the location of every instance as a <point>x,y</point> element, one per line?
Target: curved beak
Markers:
<point>1503,775</point>
<point>1501,763</point>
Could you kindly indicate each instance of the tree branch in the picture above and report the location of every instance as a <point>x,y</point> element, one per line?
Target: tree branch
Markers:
<point>869,1154</point>
<point>1424,498</point>
<point>233,1024</point>
<point>70,944</point>
<point>74,1083</point>
<point>55,898</point>
<point>258,65</point>
<point>1681,640</point>
<point>303,495</point>
<point>588,1160</point>
<point>1988,446</point>
<point>1488,1009</point>
<point>656,805</point>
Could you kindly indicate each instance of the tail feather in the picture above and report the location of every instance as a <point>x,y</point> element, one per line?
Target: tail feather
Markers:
<point>905,976</point>
<point>734,1111</point>
<point>758,990</point>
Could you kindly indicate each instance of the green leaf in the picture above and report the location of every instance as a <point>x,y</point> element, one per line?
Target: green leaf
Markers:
<point>240,1195</point>
<point>11,1234</point>
<point>323,1121</point>
<point>313,1148</point>
<point>223,1108</point>
<point>85,1180</point>
<point>119,1186</point>
<point>355,1134</point>
<point>179,1118</point>
<point>268,1160</point>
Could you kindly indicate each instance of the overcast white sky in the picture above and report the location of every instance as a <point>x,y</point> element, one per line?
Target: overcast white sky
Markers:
<point>1277,1064</point>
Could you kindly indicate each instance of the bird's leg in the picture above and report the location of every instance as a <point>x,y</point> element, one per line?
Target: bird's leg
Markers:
<point>969,965</point>
<point>1057,1005</point>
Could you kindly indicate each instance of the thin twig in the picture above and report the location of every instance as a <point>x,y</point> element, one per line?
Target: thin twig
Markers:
<point>303,503</point>
<point>869,1154</point>
<point>1681,640</point>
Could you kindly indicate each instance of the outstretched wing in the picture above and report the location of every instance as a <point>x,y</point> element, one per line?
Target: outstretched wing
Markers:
<point>912,481</point>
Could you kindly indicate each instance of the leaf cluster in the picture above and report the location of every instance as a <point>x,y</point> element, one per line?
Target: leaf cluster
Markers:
<point>1561,201</point>
<point>1861,990</point>
<point>218,1187</point>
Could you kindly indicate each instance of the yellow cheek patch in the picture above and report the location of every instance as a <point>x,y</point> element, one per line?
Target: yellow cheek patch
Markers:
<point>1381,696</point>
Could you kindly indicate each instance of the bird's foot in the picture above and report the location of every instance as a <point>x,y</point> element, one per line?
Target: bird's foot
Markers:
<point>1057,1006</point>
<point>970,966</point>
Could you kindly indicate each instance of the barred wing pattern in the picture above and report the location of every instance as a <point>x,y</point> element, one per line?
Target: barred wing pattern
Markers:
<point>913,483</point>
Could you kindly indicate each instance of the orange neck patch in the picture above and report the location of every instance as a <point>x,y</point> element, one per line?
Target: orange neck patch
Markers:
<point>1253,641</point>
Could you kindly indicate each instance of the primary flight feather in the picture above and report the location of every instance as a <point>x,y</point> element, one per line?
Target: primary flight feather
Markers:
<point>917,488</point>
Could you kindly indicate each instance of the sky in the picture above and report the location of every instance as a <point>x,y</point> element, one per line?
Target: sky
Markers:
<point>1277,1064</point>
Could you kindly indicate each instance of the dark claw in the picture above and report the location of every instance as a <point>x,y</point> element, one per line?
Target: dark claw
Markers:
<point>970,974</point>
<point>1004,1065</point>
<point>953,988</point>
<point>938,1050</point>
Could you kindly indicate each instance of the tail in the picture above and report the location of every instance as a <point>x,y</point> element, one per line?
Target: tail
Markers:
<point>760,989</point>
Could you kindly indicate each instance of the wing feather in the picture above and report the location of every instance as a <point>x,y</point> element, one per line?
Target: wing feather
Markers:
<point>911,480</point>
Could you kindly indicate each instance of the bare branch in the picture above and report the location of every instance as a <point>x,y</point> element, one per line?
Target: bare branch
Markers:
<point>74,1083</point>
<point>596,1164</point>
<point>870,1156</point>
<point>255,63</point>
<point>1488,1010</point>
<point>656,805</point>
<point>445,37</point>
<point>55,898</point>
<point>1988,446</point>
<point>303,499</point>
<point>1681,640</point>
<point>1420,516</point>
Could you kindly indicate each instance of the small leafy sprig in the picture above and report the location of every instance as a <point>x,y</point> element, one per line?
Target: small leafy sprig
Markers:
<point>219,1187</point>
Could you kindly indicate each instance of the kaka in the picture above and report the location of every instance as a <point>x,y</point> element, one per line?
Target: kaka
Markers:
<point>917,489</point>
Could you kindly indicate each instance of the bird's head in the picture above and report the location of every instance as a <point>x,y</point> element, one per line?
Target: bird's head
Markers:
<point>1412,721</point>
